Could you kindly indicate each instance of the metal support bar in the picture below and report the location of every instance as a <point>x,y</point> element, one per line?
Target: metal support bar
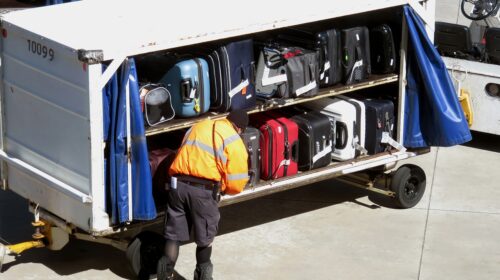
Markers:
<point>110,70</point>
<point>119,244</point>
<point>366,185</point>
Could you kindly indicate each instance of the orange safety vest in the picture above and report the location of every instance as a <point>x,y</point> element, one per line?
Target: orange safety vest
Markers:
<point>196,155</point>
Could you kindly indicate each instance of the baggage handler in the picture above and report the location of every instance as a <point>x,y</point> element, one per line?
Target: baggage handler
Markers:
<point>211,161</point>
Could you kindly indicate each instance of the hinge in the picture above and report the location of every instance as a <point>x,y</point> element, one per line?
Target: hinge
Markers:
<point>91,57</point>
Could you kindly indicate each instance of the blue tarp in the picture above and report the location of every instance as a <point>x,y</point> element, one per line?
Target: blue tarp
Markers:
<point>54,2</point>
<point>433,115</point>
<point>115,133</point>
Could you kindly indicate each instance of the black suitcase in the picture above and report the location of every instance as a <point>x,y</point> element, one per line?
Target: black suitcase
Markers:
<point>271,78</point>
<point>326,43</point>
<point>231,68</point>
<point>315,140</point>
<point>251,138</point>
<point>329,47</point>
<point>356,63</point>
<point>379,119</point>
<point>382,52</point>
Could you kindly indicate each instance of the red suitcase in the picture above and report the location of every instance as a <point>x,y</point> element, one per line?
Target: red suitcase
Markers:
<point>279,146</point>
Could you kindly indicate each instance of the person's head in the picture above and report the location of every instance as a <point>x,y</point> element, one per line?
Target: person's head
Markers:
<point>239,118</point>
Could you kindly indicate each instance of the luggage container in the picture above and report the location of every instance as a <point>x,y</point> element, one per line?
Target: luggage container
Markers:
<point>56,99</point>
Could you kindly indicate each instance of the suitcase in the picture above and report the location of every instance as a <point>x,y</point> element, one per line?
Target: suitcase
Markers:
<point>251,138</point>
<point>343,115</point>
<point>328,44</point>
<point>279,146</point>
<point>231,68</point>
<point>159,162</point>
<point>355,54</point>
<point>270,78</point>
<point>379,118</point>
<point>189,84</point>
<point>302,70</point>
<point>316,140</point>
<point>156,104</point>
<point>382,52</point>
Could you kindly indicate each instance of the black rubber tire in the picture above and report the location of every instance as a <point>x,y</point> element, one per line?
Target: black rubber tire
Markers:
<point>408,182</point>
<point>143,254</point>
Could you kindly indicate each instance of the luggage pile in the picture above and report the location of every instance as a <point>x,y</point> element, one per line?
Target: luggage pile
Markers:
<point>295,63</point>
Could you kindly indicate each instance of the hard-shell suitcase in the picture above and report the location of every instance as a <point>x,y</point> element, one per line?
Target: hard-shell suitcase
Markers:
<point>316,140</point>
<point>382,52</point>
<point>360,124</point>
<point>326,43</point>
<point>343,115</point>
<point>379,119</point>
<point>279,146</point>
<point>189,85</point>
<point>232,66</point>
<point>355,54</point>
<point>251,138</point>
<point>329,47</point>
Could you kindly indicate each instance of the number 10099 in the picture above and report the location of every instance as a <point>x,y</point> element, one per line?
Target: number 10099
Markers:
<point>41,50</point>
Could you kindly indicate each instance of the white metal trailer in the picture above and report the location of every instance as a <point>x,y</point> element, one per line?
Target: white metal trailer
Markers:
<point>51,93</point>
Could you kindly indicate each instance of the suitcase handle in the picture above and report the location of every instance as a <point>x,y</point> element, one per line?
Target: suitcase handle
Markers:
<point>341,135</point>
<point>186,86</point>
<point>295,151</point>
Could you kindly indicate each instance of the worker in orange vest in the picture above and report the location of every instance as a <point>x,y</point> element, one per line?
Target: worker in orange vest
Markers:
<point>211,161</point>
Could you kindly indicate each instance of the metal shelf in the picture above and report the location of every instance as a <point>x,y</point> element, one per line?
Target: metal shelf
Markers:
<point>335,169</point>
<point>176,124</point>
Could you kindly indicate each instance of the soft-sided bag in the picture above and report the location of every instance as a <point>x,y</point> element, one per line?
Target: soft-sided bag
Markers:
<point>271,78</point>
<point>156,104</point>
<point>383,52</point>
<point>302,69</point>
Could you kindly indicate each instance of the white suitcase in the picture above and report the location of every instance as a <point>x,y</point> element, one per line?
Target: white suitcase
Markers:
<point>345,115</point>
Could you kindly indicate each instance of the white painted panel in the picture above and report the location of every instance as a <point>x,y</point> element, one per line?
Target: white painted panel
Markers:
<point>128,27</point>
<point>486,109</point>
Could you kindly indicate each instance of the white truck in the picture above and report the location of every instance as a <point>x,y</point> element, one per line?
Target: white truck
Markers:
<point>51,140</point>
<point>479,79</point>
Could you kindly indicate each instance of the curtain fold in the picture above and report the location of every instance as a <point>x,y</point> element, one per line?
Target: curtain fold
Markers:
<point>433,115</point>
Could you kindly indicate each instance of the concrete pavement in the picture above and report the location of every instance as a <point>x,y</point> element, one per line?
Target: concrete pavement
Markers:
<point>323,231</point>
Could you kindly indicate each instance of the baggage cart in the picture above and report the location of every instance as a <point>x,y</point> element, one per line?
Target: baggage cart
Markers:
<point>52,147</point>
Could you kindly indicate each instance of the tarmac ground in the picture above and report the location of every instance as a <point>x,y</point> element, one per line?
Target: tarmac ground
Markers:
<point>322,231</point>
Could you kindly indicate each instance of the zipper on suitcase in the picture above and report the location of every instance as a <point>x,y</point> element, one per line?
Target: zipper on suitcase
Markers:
<point>270,158</point>
<point>287,148</point>
<point>228,75</point>
<point>201,93</point>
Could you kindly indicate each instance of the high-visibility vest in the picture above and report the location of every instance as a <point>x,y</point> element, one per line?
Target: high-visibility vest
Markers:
<point>197,157</point>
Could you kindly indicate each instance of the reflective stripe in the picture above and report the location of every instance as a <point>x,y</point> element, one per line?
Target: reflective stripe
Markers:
<point>207,149</point>
<point>240,176</point>
<point>227,141</point>
<point>305,88</point>
<point>238,88</point>
<point>268,80</point>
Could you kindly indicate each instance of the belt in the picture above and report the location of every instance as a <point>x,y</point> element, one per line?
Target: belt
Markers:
<point>196,182</point>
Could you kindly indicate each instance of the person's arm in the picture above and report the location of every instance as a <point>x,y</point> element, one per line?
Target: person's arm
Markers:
<point>236,176</point>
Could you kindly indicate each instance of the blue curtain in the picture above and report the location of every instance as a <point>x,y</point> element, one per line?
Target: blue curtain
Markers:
<point>115,133</point>
<point>54,2</point>
<point>433,115</point>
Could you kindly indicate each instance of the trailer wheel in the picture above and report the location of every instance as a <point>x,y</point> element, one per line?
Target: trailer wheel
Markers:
<point>144,252</point>
<point>408,182</point>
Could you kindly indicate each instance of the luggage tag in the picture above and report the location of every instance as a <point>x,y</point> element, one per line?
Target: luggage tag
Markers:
<point>387,139</point>
<point>357,146</point>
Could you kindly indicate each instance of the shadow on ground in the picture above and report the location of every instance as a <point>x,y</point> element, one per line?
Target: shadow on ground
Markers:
<point>79,256</point>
